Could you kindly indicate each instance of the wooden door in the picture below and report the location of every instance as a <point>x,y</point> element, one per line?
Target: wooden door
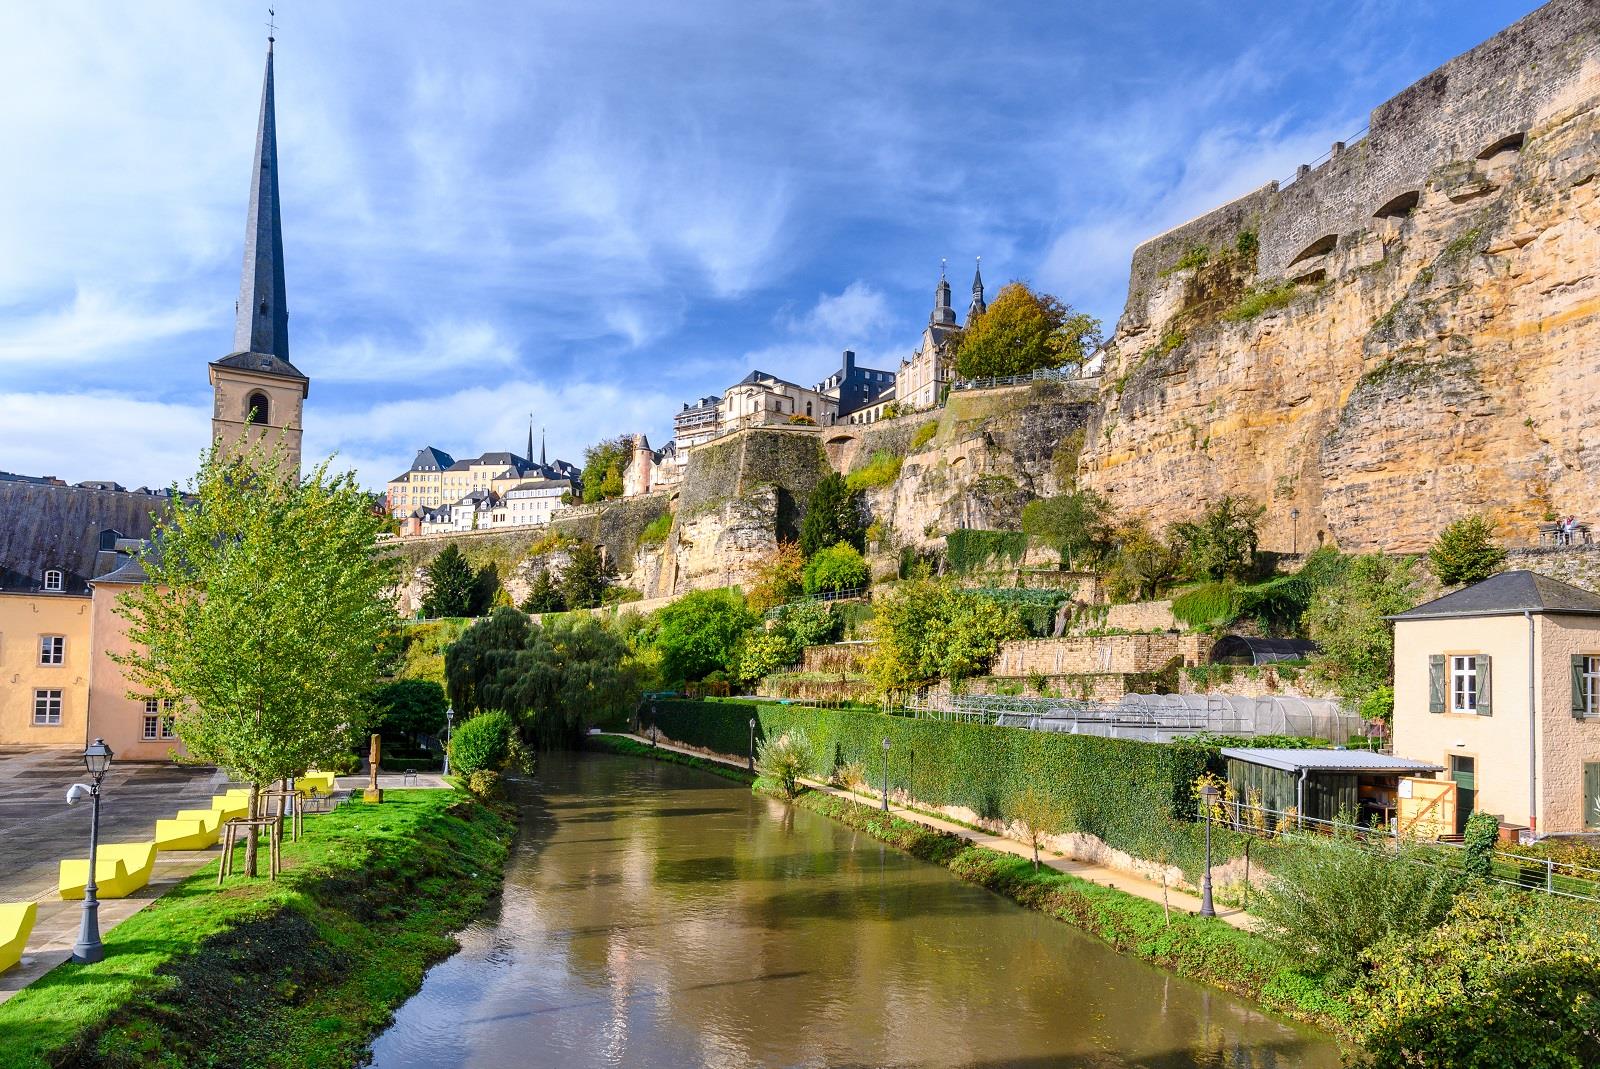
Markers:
<point>1464,774</point>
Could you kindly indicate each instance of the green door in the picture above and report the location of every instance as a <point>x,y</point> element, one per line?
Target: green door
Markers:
<point>1591,795</point>
<point>1464,774</point>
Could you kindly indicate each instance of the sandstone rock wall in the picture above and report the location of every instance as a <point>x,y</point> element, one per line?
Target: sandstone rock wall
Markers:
<point>1107,653</point>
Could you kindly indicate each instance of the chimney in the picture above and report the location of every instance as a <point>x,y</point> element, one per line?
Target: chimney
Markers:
<point>849,362</point>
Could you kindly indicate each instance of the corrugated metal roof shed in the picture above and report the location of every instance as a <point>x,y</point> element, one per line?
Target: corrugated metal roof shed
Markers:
<point>1329,760</point>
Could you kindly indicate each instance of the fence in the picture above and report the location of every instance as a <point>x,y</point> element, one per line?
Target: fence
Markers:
<point>1047,374</point>
<point>826,595</point>
<point>1542,875</point>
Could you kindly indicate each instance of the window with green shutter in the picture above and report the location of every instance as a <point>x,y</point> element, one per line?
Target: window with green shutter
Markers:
<point>1585,685</point>
<point>1436,683</point>
<point>1485,685</point>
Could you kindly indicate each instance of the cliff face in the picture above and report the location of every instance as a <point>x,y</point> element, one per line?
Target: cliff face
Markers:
<point>1438,354</point>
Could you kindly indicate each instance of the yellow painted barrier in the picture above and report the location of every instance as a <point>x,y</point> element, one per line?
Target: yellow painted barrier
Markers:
<point>231,805</point>
<point>193,829</point>
<point>120,869</point>
<point>16,924</point>
<point>314,782</point>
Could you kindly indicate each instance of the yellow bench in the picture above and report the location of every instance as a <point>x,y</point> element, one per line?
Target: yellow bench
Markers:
<point>120,869</point>
<point>16,924</point>
<point>193,829</point>
<point>314,783</point>
<point>231,805</point>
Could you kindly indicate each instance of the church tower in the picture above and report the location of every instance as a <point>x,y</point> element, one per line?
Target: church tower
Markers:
<point>256,392</point>
<point>977,307</point>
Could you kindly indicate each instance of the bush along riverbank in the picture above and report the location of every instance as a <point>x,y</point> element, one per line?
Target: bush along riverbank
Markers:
<point>300,972</point>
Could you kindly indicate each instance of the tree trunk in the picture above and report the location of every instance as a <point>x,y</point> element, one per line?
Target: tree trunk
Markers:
<point>250,839</point>
<point>1035,853</point>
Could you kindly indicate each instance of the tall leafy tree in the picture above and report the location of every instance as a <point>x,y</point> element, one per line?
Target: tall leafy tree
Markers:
<point>1346,619</point>
<point>406,709</point>
<point>1221,544</point>
<point>1466,552</point>
<point>474,661</point>
<point>450,584</point>
<point>926,631</point>
<point>1075,525</point>
<point>700,633</point>
<point>265,614</point>
<point>833,515</point>
<point>1024,331</point>
<point>603,464</point>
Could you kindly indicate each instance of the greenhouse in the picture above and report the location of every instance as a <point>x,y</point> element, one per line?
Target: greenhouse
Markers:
<point>1163,717</point>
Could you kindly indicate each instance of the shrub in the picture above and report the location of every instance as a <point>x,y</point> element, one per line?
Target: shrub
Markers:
<point>764,653</point>
<point>928,631</point>
<point>700,633</point>
<point>407,709</point>
<point>484,783</point>
<point>1346,619</point>
<point>1074,525</point>
<point>785,759</point>
<point>924,435</point>
<point>1509,979</point>
<point>1221,544</point>
<point>811,623</point>
<point>1466,552</point>
<point>839,567</point>
<point>1378,705</point>
<point>656,531</point>
<point>881,470</point>
<point>1259,301</point>
<point>1333,900</point>
<point>851,776</point>
<point>1209,606</point>
<point>481,744</point>
<point>1133,795</point>
<point>1478,842</point>
<point>344,764</point>
<point>1143,564</point>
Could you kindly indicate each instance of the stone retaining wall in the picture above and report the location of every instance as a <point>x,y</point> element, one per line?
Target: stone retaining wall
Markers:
<point>1096,655</point>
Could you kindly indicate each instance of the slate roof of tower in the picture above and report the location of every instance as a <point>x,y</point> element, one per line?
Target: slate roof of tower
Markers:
<point>1509,593</point>
<point>261,326</point>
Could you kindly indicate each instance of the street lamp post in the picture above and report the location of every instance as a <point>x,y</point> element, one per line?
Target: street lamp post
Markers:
<point>886,775</point>
<point>96,760</point>
<point>1294,530</point>
<point>752,744</point>
<point>449,730</point>
<point>1208,797</point>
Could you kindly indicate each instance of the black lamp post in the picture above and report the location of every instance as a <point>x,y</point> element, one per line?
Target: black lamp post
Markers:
<point>96,760</point>
<point>1208,797</point>
<point>886,775</point>
<point>752,744</point>
<point>1294,530</point>
<point>449,730</point>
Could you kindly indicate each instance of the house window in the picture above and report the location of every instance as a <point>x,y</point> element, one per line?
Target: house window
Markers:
<point>52,580</point>
<point>46,708</point>
<point>1463,684</point>
<point>150,724</point>
<point>169,728</point>
<point>52,649</point>
<point>1586,684</point>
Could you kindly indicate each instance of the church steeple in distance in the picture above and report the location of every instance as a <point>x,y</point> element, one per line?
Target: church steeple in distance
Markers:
<point>943,313</point>
<point>977,307</point>
<point>262,321</point>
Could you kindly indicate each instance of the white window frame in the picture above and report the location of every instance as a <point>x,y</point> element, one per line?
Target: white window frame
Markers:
<point>1591,685</point>
<point>47,705</point>
<point>169,726</point>
<point>52,650</point>
<point>1463,683</point>
<point>150,722</point>
<point>53,579</point>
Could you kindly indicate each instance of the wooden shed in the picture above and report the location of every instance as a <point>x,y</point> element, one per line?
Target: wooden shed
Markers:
<point>1319,784</point>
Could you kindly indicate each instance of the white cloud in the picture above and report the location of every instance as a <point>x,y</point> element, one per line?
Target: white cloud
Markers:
<point>446,346</point>
<point>79,436</point>
<point>95,326</point>
<point>858,311</point>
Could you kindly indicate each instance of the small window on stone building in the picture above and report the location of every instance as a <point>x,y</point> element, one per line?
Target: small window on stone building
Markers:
<point>256,409</point>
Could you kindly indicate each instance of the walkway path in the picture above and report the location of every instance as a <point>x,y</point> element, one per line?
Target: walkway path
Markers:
<point>1117,879</point>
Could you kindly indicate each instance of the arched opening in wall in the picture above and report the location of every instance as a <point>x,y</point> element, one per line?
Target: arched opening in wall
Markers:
<point>1400,207</point>
<point>256,409</point>
<point>1509,143</point>
<point>1321,247</point>
<point>840,439</point>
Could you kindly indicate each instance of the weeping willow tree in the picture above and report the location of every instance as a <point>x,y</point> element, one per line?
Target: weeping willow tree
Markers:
<point>264,615</point>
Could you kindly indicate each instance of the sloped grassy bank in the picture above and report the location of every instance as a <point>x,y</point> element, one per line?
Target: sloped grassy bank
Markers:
<point>298,973</point>
<point>1205,950</point>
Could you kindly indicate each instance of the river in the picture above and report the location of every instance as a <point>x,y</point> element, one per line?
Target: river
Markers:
<point>656,915</point>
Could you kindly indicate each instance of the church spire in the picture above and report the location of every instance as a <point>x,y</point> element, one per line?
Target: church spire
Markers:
<point>542,461</point>
<point>977,307</point>
<point>530,439</point>
<point>943,314</point>
<point>262,315</point>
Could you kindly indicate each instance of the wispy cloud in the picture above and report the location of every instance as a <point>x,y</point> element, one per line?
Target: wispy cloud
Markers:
<point>93,327</point>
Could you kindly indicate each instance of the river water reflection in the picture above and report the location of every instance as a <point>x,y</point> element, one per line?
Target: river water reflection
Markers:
<point>659,916</point>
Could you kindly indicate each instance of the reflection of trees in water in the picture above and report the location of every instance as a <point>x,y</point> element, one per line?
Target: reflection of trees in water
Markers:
<point>749,926</point>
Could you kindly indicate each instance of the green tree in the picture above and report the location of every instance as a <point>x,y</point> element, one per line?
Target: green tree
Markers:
<point>1036,813</point>
<point>778,578</point>
<point>926,631</point>
<point>763,653</point>
<point>1346,619</point>
<point>833,515</point>
<point>1024,331</point>
<point>543,595</point>
<point>449,585</point>
<point>1143,564</point>
<point>586,576</point>
<point>603,464</point>
<point>1222,543</point>
<point>810,623</point>
<point>481,744</point>
<point>1466,552</point>
<point>700,633</point>
<point>838,567</point>
<point>474,662</point>
<point>406,709</point>
<point>264,615</point>
<point>1074,525</point>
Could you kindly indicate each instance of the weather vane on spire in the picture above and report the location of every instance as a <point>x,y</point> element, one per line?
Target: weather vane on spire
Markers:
<point>272,25</point>
<point>942,263</point>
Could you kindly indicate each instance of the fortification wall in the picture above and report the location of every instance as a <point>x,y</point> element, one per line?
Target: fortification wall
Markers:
<point>1101,654</point>
<point>1497,89</point>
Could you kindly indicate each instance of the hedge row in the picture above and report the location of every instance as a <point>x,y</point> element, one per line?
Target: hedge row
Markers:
<point>1136,796</point>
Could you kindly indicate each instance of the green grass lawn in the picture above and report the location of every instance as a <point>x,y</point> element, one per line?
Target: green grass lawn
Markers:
<point>300,972</point>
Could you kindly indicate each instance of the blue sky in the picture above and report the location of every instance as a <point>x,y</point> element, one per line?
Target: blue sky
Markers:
<point>594,211</point>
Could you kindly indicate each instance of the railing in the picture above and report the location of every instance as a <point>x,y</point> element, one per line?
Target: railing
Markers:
<point>826,595</point>
<point>1047,374</point>
<point>1540,875</point>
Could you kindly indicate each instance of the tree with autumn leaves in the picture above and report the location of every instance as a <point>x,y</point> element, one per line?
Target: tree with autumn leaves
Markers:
<point>1024,331</point>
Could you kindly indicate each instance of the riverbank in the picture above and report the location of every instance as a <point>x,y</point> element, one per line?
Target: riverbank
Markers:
<point>298,972</point>
<point>1210,951</point>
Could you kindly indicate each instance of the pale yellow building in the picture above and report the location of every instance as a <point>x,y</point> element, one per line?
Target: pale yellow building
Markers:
<point>135,727</point>
<point>1500,683</point>
<point>44,666</point>
<point>760,399</point>
<point>924,376</point>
